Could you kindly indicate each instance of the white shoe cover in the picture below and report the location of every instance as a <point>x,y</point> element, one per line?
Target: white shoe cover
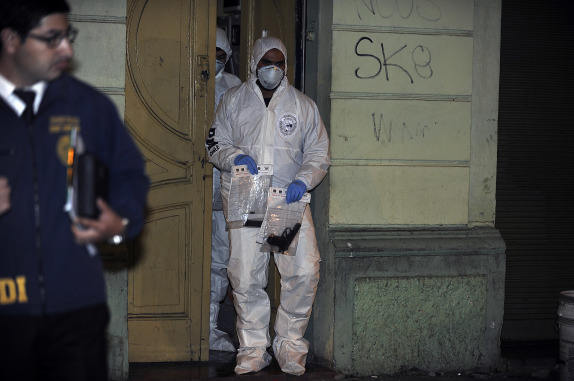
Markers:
<point>220,341</point>
<point>291,355</point>
<point>252,360</point>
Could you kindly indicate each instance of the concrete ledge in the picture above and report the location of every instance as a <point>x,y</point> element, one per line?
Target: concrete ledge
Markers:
<point>352,242</point>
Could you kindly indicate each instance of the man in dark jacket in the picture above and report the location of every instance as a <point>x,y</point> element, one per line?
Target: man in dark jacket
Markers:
<point>53,310</point>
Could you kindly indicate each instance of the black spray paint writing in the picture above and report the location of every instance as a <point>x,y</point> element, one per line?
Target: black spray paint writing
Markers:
<point>420,58</point>
<point>405,132</point>
<point>425,9</point>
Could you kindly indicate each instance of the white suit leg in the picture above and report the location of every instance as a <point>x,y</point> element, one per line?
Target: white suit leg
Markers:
<point>248,270</point>
<point>299,280</point>
<point>218,340</point>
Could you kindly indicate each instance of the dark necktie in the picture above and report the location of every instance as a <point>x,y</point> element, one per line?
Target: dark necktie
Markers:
<point>28,97</point>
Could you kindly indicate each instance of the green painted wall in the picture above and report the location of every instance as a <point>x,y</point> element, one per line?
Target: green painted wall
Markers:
<point>419,322</point>
<point>426,299</point>
<point>412,271</point>
<point>401,112</point>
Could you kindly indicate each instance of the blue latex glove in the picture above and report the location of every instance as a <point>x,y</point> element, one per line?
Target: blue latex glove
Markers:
<point>248,161</point>
<point>295,191</point>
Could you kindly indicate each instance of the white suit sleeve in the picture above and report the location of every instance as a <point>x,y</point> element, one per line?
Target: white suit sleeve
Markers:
<point>219,143</point>
<point>316,155</point>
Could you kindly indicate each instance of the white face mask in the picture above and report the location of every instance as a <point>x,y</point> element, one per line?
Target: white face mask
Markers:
<point>270,76</point>
<point>219,65</point>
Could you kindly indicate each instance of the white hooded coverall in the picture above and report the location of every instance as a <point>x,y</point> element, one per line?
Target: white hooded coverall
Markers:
<point>289,134</point>
<point>219,340</point>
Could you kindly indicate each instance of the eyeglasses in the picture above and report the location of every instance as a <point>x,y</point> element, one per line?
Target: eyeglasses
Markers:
<point>55,40</point>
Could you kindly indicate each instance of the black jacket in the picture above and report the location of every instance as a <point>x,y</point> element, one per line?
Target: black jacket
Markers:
<point>42,269</point>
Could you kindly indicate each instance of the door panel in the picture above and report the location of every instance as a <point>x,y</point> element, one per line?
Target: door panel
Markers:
<point>279,19</point>
<point>167,102</point>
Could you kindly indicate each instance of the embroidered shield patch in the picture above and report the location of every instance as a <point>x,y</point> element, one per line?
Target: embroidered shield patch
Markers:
<point>287,124</point>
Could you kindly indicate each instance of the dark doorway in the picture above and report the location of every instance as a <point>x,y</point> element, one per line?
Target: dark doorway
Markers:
<point>535,185</point>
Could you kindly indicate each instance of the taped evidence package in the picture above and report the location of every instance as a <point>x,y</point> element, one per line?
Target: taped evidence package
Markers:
<point>280,227</point>
<point>247,200</point>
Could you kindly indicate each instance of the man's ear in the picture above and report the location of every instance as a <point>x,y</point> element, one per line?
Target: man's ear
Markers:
<point>10,39</point>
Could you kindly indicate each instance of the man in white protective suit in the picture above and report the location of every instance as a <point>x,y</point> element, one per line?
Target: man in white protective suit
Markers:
<point>219,340</point>
<point>267,121</point>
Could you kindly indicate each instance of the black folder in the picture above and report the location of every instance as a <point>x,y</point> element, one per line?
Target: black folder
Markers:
<point>91,183</point>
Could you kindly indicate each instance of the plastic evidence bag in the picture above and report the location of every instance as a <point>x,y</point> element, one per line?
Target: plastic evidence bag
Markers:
<point>247,200</point>
<point>279,232</point>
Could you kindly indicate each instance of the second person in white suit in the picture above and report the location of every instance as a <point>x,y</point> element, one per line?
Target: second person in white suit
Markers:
<point>219,340</point>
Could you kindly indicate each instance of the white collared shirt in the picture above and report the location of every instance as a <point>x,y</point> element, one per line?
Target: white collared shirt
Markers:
<point>17,104</point>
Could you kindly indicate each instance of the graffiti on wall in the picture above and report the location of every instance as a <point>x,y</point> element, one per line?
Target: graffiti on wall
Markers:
<point>424,9</point>
<point>420,56</point>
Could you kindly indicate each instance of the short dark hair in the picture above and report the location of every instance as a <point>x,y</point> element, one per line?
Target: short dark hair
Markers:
<point>25,15</point>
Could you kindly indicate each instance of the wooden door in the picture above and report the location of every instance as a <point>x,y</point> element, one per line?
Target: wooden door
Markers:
<point>169,103</point>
